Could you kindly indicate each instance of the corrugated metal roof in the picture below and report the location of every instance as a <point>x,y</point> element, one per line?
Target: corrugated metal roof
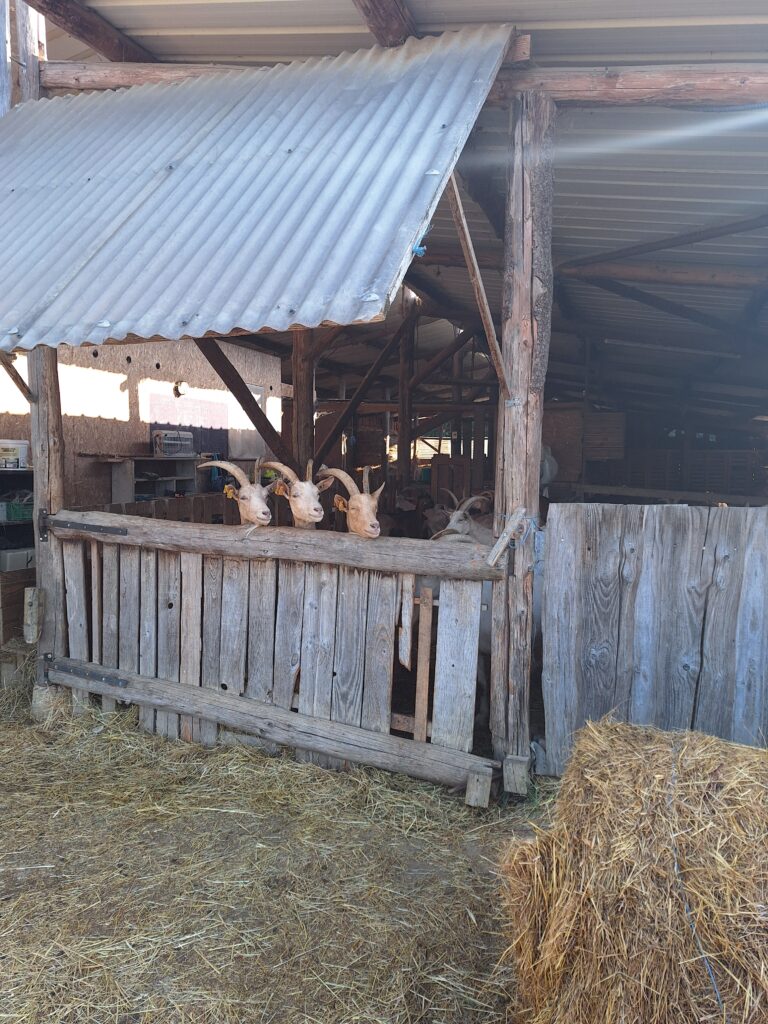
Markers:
<point>563,31</point>
<point>260,199</point>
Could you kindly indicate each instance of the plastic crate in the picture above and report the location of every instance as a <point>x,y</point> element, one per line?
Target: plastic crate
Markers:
<point>19,511</point>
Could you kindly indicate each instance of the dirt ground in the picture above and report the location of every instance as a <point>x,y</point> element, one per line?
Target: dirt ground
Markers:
<point>147,881</point>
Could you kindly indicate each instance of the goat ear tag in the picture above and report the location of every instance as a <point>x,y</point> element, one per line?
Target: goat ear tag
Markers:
<point>340,503</point>
<point>280,489</point>
<point>230,491</point>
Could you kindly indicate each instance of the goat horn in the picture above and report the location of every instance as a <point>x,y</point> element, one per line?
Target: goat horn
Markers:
<point>231,468</point>
<point>452,495</point>
<point>366,479</point>
<point>281,468</point>
<point>469,502</point>
<point>310,466</point>
<point>343,478</point>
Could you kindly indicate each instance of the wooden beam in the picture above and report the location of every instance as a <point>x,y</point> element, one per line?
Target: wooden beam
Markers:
<point>47,446</point>
<point>362,389</point>
<point>29,34</point>
<point>7,363</point>
<point>722,230</point>
<point>405,408</point>
<point>459,342</point>
<point>678,85</point>
<point>441,256</point>
<point>678,309</point>
<point>389,21</point>
<point>274,724</point>
<point>303,379</point>
<point>448,306</point>
<point>486,317</point>
<point>6,67</point>
<point>387,554</point>
<point>526,321</point>
<point>85,24</point>
<point>72,75</point>
<point>234,383</point>
<point>689,275</point>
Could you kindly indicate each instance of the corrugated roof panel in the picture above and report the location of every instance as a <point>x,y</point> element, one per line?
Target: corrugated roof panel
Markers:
<point>269,198</point>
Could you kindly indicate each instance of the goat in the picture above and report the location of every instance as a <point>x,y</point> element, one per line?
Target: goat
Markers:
<point>462,526</point>
<point>361,508</point>
<point>251,497</point>
<point>303,495</point>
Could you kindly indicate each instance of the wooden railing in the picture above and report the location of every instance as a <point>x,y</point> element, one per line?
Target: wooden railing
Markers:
<point>283,630</point>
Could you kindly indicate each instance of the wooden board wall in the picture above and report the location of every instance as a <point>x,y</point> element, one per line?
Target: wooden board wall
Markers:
<point>655,614</point>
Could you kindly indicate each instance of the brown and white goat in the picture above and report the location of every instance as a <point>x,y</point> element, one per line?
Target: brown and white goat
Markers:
<point>251,497</point>
<point>303,495</point>
<point>361,507</point>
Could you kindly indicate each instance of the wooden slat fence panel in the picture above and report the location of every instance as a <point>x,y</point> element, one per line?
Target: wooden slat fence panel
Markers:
<point>213,574</point>
<point>191,634</point>
<point>73,554</point>
<point>349,655</point>
<point>655,614</point>
<point>380,633</point>
<point>262,595</point>
<point>458,633</point>
<point>110,600</point>
<point>168,633</point>
<point>147,627</point>
<point>234,625</point>
<point>290,609</point>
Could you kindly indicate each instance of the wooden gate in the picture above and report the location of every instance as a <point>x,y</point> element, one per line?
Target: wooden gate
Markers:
<point>290,635</point>
<point>659,615</point>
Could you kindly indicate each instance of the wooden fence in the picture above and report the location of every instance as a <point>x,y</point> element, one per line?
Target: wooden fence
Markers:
<point>659,615</point>
<point>290,635</point>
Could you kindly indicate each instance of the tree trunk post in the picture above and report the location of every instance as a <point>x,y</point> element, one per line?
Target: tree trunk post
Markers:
<point>405,408</point>
<point>303,427</point>
<point>526,321</point>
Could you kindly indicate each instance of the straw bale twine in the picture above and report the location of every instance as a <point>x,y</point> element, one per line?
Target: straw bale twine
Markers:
<point>646,901</point>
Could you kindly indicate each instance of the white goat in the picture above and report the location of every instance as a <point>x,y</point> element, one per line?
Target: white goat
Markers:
<point>251,497</point>
<point>361,507</point>
<point>303,495</point>
<point>462,526</point>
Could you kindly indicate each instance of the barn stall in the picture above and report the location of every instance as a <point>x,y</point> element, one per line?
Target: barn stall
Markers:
<point>297,641</point>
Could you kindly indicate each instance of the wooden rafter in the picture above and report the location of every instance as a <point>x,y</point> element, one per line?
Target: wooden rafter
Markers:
<point>85,24</point>
<point>230,376</point>
<point>460,341</point>
<point>678,309</point>
<point>486,317</point>
<point>688,275</point>
<point>389,21</point>
<point>7,363</point>
<point>446,305</point>
<point>362,389</point>
<point>734,227</point>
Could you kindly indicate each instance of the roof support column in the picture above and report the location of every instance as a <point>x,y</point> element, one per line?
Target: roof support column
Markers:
<point>6,78</point>
<point>303,425</point>
<point>526,321</point>
<point>405,408</point>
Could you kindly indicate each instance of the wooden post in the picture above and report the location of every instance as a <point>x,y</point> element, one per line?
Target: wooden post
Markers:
<point>6,76</point>
<point>405,407</point>
<point>29,35</point>
<point>303,426</point>
<point>48,461</point>
<point>456,396</point>
<point>478,452</point>
<point>526,318</point>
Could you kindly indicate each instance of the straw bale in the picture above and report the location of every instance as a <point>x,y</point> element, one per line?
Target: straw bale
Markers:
<point>646,900</point>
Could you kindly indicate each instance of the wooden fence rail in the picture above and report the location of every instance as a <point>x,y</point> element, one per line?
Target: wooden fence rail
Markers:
<point>659,615</point>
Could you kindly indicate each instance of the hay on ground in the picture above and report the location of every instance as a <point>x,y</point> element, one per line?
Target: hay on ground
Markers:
<point>147,881</point>
<point>646,902</point>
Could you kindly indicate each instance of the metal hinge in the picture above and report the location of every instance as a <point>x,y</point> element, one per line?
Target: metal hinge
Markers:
<point>42,524</point>
<point>66,524</point>
<point>82,672</point>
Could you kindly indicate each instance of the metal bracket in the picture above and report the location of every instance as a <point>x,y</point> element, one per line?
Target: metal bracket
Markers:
<point>83,672</point>
<point>66,524</point>
<point>42,525</point>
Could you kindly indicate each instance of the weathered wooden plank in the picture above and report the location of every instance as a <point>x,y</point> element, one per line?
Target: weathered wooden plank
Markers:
<point>423,657</point>
<point>349,656</point>
<point>213,574</point>
<point>631,556</point>
<point>405,637</point>
<point>317,640</point>
<point>110,583</point>
<point>750,692</point>
<point>387,554</point>
<point>147,628</point>
<point>73,553</point>
<point>478,789</point>
<point>234,625</point>
<point>379,652</point>
<point>191,632</point>
<point>168,633</point>
<point>96,605</point>
<point>280,725</point>
<point>262,595</point>
<point>458,632</point>
<point>130,580</point>
<point>290,608</point>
